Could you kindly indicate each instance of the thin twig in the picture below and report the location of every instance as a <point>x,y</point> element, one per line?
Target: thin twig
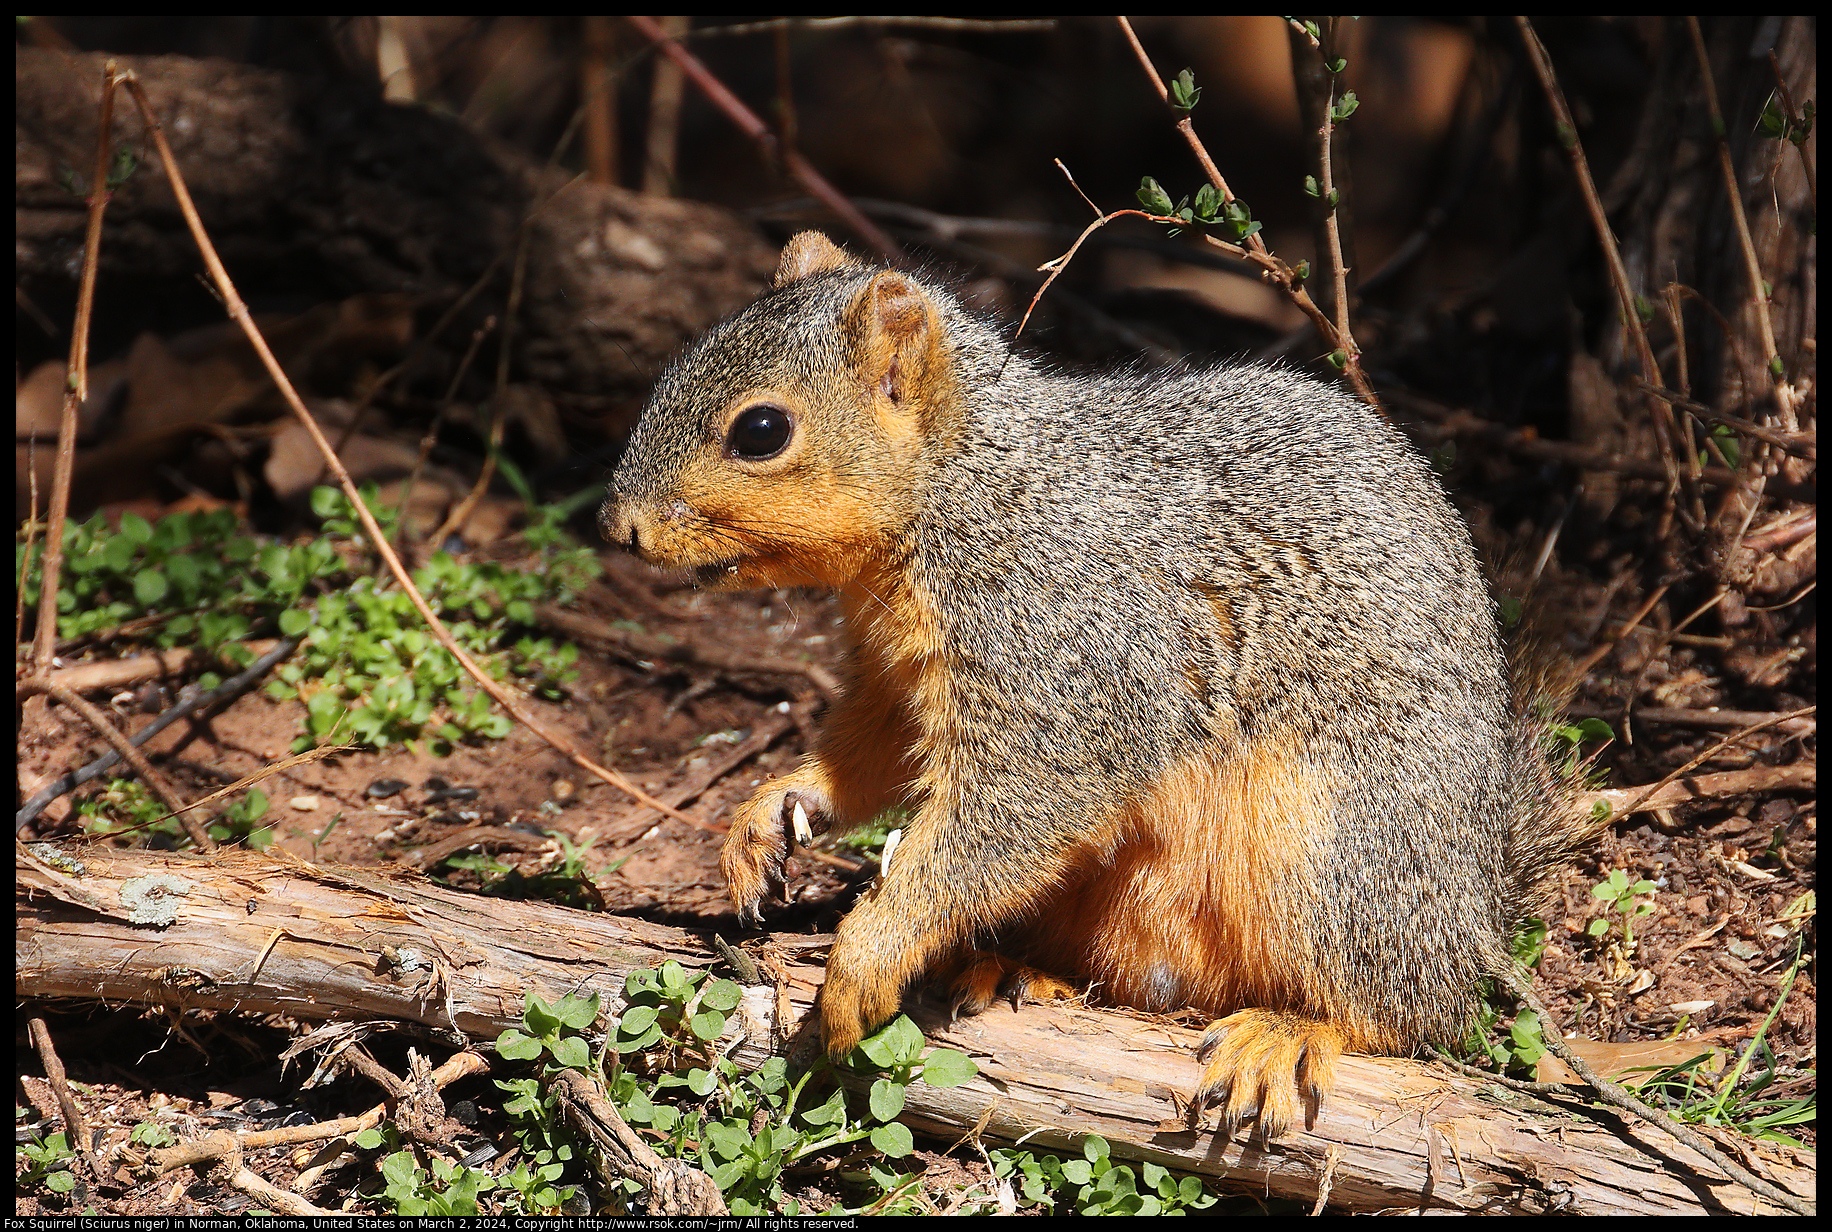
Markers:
<point>767,732</point>
<point>1689,789</point>
<point>425,343</point>
<point>1254,248</point>
<point>431,436</point>
<point>969,25</point>
<point>577,627</point>
<point>1771,721</point>
<point>1771,357</point>
<point>1676,716</point>
<point>948,228</point>
<point>131,755</point>
<point>1598,652</point>
<point>76,1133</point>
<point>1795,121</point>
<point>1800,444</point>
<point>460,514</point>
<point>265,772</point>
<point>192,700</point>
<point>1666,424</point>
<point>1447,421</point>
<point>759,132</point>
<point>598,99</point>
<point>238,311</point>
<point>412,358</point>
<point>76,391</point>
<point>663,137</point>
<point>1614,1095</point>
<point>1055,267</point>
<point>1311,60</point>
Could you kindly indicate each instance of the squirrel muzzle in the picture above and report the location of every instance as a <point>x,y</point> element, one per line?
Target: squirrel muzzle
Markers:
<point>642,525</point>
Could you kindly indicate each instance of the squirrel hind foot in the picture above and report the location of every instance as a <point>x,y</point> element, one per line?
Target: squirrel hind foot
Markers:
<point>980,978</point>
<point>1261,1065</point>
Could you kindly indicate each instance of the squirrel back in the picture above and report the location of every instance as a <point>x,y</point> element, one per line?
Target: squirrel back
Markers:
<point>1191,676</point>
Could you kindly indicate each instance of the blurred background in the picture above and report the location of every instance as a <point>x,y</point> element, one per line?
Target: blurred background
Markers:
<point>478,236</point>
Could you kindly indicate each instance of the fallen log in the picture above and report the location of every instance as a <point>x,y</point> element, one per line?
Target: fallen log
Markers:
<point>275,935</point>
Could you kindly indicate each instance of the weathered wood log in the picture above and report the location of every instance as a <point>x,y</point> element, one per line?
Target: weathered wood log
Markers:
<point>268,935</point>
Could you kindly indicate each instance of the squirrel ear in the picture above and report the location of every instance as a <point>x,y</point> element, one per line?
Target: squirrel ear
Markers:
<point>900,310</point>
<point>810,253</point>
<point>894,325</point>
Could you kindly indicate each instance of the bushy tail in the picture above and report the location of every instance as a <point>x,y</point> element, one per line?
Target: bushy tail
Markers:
<point>1551,822</point>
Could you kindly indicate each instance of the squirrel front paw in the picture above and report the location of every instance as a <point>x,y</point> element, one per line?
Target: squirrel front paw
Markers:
<point>757,847</point>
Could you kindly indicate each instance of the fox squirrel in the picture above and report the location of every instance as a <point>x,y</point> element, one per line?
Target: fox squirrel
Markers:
<point>1191,678</point>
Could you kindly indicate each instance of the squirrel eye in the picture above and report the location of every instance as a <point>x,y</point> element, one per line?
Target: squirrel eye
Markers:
<point>761,432</point>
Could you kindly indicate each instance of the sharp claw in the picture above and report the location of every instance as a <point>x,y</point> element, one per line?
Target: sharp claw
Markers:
<point>1211,1040</point>
<point>804,832</point>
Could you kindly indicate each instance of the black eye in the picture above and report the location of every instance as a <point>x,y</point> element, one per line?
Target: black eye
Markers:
<point>759,433</point>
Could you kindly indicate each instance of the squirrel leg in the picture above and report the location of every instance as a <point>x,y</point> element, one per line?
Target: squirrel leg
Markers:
<point>860,767</point>
<point>937,894</point>
<point>1260,1064</point>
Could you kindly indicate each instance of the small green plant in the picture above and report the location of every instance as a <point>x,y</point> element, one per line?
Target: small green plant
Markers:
<point>409,1190</point>
<point>555,1036</point>
<point>564,880</point>
<point>184,580</point>
<point>670,1081</point>
<point>539,1184</point>
<point>1724,441</point>
<point>1520,1049</point>
<point>1095,1185</point>
<point>1775,122</point>
<point>869,839</point>
<point>1230,216</point>
<point>1624,902</point>
<point>1567,740</point>
<point>747,1130</point>
<point>367,669</point>
<point>1529,943</point>
<point>1745,1106</point>
<point>1517,1051</point>
<point>152,1134</point>
<point>46,1162</point>
<point>370,673</point>
<point>125,805</point>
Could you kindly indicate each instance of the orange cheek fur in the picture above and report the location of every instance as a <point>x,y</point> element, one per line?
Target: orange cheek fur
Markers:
<point>791,530</point>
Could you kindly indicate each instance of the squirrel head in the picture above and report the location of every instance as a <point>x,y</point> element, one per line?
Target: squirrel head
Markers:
<point>789,445</point>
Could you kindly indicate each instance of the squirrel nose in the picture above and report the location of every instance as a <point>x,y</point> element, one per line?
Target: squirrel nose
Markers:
<point>617,523</point>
